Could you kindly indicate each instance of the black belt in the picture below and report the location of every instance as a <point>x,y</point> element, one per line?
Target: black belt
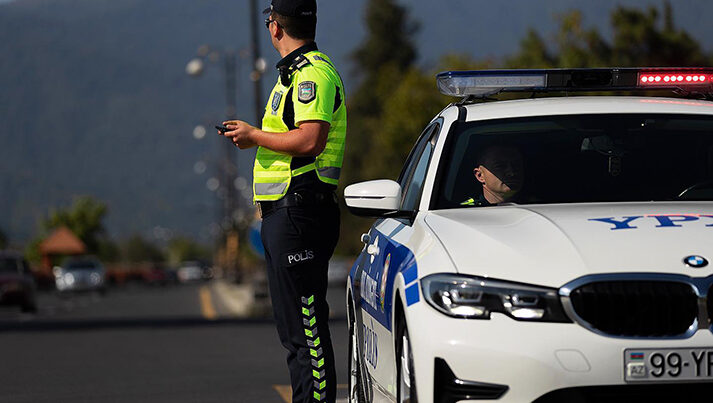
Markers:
<point>297,199</point>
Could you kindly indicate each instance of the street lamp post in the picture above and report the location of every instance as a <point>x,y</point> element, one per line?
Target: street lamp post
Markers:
<point>230,164</point>
<point>258,62</point>
<point>232,215</point>
<point>228,171</point>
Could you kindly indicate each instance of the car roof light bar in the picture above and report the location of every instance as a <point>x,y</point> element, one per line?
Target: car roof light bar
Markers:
<point>482,83</point>
<point>486,82</point>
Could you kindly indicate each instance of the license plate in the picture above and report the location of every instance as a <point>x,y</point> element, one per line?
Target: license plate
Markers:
<point>673,364</point>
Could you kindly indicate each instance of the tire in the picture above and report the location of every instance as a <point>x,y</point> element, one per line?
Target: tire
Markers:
<point>406,381</point>
<point>356,384</point>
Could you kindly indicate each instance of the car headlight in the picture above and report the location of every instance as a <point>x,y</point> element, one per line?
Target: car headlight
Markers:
<point>68,278</point>
<point>476,297</point>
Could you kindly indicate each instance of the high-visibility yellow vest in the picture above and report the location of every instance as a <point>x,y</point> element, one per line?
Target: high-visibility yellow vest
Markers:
<point>317,93</point>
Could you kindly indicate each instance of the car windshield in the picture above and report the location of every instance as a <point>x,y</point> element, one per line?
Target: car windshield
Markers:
<point>8,265</point>
<point>582,158</point>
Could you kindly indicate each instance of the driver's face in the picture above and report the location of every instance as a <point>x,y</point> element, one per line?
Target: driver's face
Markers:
<point>501,171</point>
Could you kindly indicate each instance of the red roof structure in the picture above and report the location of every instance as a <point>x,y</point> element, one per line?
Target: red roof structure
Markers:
<point>61,242</point>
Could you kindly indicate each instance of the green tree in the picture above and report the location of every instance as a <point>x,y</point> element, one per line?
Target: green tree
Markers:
<point>408,109</point>
<point>181,249</point>
<point>574,47</point>
<point>84,218</point>
<point>108,250</point>
<point>32,251</point>
<point>379,63</point>
<point>389,38</point>
<point>137,249</point>
<point>640,38</point>
<point>533,53</point>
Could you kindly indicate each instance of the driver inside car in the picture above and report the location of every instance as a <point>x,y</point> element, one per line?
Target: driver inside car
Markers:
<point>500,171</point>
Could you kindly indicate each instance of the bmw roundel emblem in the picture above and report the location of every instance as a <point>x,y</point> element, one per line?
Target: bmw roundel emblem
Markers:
<point>695,261</point>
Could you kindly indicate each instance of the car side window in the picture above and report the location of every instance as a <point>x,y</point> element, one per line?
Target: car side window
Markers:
<point>412,159</point>
<point>414,186</point>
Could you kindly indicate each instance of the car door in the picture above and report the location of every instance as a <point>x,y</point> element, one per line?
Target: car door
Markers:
<point>385,256</point>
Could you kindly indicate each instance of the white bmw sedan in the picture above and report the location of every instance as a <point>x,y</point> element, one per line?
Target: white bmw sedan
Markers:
<point>551,249</point>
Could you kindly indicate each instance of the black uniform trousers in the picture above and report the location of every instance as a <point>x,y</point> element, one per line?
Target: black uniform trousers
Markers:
<point>299,241</point>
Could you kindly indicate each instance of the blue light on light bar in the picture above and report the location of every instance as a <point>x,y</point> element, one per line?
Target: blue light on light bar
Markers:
<point>481,83</point>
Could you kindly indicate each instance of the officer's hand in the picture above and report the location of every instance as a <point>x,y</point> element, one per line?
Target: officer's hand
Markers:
<point>240,133</point>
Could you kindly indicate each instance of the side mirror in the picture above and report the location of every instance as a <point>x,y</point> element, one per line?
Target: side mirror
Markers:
<point>377,198</point>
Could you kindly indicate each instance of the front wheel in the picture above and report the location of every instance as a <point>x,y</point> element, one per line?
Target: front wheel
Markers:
<point>405,371</point>
<point>356,386</point>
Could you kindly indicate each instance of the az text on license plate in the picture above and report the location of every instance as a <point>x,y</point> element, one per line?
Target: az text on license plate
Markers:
<point>674,364</point>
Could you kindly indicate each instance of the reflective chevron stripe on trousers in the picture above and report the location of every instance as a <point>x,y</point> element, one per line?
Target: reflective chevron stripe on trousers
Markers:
<point>309,320</point>
<point>299,241</point>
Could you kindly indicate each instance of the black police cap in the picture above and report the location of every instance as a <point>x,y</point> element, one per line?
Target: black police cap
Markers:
<point>293,8</point>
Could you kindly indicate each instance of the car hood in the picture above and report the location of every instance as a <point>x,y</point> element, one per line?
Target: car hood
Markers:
<point>551,245</point>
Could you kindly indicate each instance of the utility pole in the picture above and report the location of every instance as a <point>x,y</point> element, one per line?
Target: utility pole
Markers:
<point>231,164</point>
<point>258,62</point>
<point>227,164</point>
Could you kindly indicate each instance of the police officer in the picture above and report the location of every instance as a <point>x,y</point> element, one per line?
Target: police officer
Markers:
<point>500,171</point>
<point>297,167</point>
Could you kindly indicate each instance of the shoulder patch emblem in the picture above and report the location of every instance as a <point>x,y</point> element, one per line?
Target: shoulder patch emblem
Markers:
<point>276,102</point>
<point>306,91</point>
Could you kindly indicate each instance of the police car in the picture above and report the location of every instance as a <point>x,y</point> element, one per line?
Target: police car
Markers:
<point>589,284</point>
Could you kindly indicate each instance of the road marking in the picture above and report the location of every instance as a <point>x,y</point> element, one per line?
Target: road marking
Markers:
<point>238,298</point>
<point>285,392</point>
<point>206,303</point>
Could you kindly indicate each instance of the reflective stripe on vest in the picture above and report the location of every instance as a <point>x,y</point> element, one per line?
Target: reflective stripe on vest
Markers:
<point>270,188</point>
<point>272,172</point>
<point>302,170</point>
<point>330,172</point>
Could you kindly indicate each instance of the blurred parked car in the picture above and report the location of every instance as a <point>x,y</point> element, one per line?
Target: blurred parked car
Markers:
<point>17,286</point>
<point>80,274</point>
<point>156,275</point>
<point>190,271</point>
<point>207,272</point>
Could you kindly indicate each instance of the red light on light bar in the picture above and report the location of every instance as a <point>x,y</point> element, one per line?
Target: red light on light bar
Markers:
<point>674,78</point>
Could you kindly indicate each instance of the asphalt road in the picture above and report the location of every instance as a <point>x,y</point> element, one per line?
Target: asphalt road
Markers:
<point>143,344</point>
